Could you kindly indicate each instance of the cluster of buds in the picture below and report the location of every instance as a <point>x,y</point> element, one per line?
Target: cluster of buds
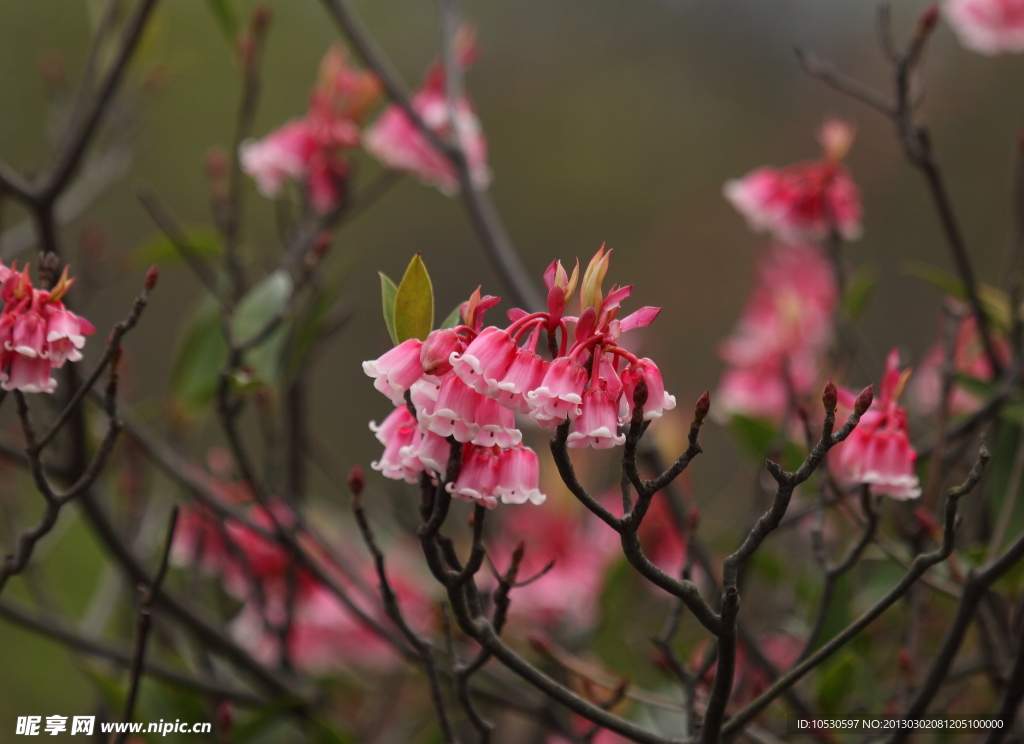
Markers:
<point>38,334</point>
<point>467,383</point>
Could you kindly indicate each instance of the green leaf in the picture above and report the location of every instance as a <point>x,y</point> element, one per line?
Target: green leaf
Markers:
<point>414,303</point>
<point>224,13</point>
<point>858,292</point>
<point>994,302</point>
<point>388,290</point>
<point>260,306</point>
<point>201,354</point>
<point>202,243</point>
<point>454,317</point>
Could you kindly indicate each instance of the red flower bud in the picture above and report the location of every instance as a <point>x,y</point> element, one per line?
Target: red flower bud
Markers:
<point>261,20</point>
<point>928,19</point>
<point>437,350</point>
<point>216,163</point>
<point>356,480</point>
<point>152,276</point>
<point>225,717</point>
<point>863,402</point>
<point>830,397</point>
<point>700,411</point>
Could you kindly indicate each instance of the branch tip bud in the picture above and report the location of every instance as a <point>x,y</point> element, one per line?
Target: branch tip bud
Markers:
<point>863,403</point>
<point>700,411</point>
<point>929,19</point>
<point>830,397</point>
<point>152,277</point>
<point>356,481</point>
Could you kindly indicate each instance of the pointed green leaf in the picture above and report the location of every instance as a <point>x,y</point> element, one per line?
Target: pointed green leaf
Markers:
<point>203,244</point>
<point>388,290</point>
<point>224,13</point>
<point>454,317</point>
<point>414,303</point>
<point>994,302</point>
<point>858,292</point>
<point>200,357</point>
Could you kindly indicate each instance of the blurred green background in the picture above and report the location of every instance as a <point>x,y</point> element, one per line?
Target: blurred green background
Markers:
<point>612,122</point>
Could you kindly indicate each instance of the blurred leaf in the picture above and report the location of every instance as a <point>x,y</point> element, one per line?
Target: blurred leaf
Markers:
<point>974,386</point>
<point>454,317</point>
<point>161,250</point>
<point>254,312</point>
<point>414,303</point>
<point>835,682</point>
<point>324,733</point>
<point>768,566</point>
<point>309,327</point>
<point>201,354</point>
<point>757,437</point>
<point>260,306</point>
<point>859,292</point>
<point>224,13</point>
<point>994,302</point>
<point>388,290</point>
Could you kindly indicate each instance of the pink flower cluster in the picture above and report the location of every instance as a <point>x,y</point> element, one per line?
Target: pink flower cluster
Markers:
<point>324,636</point>
<point>468,383</point>
<point>969,361</point>
<point>878,452</point>
<point>988,26</point>
<point>775,350</point>
<point>38,334</point>
<point>311,150</point>
<point>398,143</point>
<point>806,201</point>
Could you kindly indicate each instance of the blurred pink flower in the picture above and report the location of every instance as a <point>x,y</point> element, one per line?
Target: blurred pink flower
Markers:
<point>969,360</point>
<point>311,150</point>
<point>582,548</point>
<point>785,329</point>
<point>878,452</point>
<point>399,144</point>
<point>806,201</point>
<point>988,26</point>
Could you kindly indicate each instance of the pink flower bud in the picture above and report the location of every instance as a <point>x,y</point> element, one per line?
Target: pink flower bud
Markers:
<point>863,402</point>
<point>830,397</point>
<point>436,350</point>
<point>356,480</point>
<point>152,276</point>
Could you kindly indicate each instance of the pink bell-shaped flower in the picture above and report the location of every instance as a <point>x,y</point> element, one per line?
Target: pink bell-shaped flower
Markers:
<point>455,410</point>
<point>397,419</point>
<point>478,477</point>
<point>524,375</point>
<point>879,452</point>
<point>518,477</point>
<point>432,452</point>
<point>65,335</point>
<point>486,360</point>
<point>495,425</point>
<point>29,374</point>
<point>397,370</point>
<point>598,423</point>
<point>560,393</point>
<point>658,401</point>
<point>393,463</point>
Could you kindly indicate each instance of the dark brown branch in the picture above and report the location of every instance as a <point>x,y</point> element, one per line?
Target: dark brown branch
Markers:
<point>147,596</point>
<point>921,564</point>
<point>423,649</point>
